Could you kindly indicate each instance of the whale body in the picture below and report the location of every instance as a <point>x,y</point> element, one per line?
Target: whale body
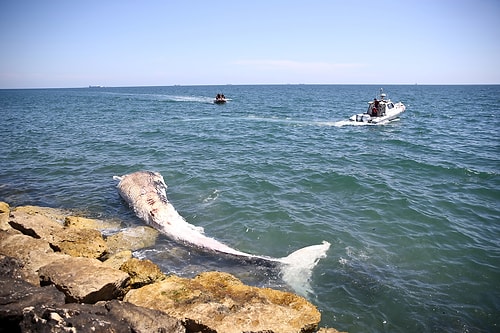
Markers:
<point>146,194</point>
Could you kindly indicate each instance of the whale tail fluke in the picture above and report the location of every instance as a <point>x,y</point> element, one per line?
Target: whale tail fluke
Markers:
<point>296,268</point>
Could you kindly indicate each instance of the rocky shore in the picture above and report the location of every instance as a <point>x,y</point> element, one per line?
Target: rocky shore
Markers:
<point>60,273</point>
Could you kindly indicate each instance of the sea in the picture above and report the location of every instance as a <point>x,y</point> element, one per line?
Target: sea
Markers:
<point>411,208</point>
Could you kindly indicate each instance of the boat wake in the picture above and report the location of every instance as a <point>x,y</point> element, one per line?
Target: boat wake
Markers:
<point>145,192</point>
<point>164,98</point>
<point>342,123</point>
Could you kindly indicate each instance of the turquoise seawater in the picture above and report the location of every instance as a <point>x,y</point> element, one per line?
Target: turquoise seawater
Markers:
<point>412,208</point>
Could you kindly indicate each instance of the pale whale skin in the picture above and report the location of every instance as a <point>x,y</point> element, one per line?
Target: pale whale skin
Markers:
<point>145,192</point>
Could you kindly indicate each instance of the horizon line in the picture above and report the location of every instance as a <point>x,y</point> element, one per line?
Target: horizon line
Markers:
<point>255,84</point>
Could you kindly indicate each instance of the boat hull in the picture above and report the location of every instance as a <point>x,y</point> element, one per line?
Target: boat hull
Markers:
<point>388,116</point>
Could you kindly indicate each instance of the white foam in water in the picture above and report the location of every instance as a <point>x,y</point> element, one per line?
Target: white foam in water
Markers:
<point>199,99</point>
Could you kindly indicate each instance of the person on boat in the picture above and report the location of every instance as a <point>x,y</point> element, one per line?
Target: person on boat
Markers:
<point>375,107</point>
<point>217,97</point>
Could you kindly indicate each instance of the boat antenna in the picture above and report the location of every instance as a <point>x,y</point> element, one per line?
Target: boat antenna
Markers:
<point>382,95</point>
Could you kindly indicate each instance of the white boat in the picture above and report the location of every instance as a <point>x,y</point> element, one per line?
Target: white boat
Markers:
<point>380,111</point>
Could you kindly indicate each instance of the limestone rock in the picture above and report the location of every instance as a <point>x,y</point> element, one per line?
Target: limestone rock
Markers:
<point>223,303</point>
<point>87,223</point>
<point>4,215</point>
<point>132,239</point>
<point>54,214</point>
<point>84,280</point>
<point>142,272</point>
<point>36,222</point>
<point>77,242</point>
<point>118,259</point>
<point>42,223</point>
<point>33,253</point>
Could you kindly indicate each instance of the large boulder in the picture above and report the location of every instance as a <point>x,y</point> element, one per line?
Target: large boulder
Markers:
<point>32,252</point>
<point>221,302</point>
<point>37,222</point>
<point>141,272</point>
<point>84,280</point>
<point>87,243</point>
<point>44,223</point>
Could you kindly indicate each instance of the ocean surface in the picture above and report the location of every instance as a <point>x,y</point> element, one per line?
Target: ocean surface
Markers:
<point>411,208</point>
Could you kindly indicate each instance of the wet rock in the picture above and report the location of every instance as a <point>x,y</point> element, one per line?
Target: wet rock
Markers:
<point>87,223</point>
<point>329,330</point>
<point>118,259</point>
<point>221,302</point>
<point>141,272</point>
<point>132,239</point>
<point>84,280</point>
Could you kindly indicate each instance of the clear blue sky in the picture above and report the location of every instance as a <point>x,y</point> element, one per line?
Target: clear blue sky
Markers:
<point>70,43</point>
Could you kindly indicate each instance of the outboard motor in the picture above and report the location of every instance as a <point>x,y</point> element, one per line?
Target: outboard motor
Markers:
<point>363,118</point>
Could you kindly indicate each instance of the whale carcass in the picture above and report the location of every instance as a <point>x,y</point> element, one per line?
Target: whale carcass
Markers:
<point>146,193</point>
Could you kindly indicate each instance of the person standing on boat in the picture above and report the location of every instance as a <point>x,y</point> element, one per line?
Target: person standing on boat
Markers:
<point>375,107</point>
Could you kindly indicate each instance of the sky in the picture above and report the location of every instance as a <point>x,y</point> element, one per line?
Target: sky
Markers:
<point>71,43</point>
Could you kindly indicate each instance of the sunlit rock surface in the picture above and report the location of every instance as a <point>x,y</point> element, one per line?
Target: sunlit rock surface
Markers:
<point>223,303</point>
